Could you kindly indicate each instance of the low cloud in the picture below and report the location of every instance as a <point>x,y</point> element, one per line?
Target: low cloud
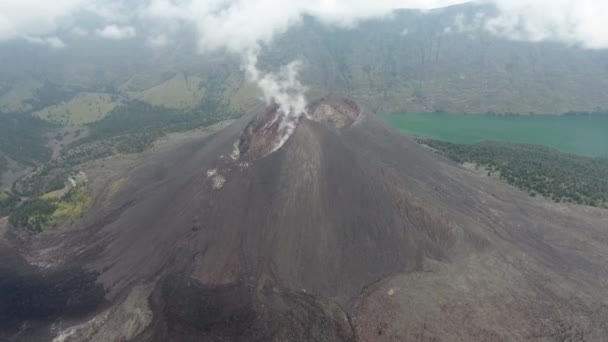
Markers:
<point>78,32</point>
<point>238,25</point>
<point>243,25</point>
<point>463,24</point>
<point>572,22</point>
<point>52,42</point>
<point>158,41</point>
<point>116,32</point>
<point>33,18</point>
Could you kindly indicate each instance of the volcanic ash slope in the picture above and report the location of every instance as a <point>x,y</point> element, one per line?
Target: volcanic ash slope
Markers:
<point>347,231</point>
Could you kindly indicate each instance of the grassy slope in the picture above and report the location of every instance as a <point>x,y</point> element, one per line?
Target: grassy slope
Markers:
<point>584,135</point>
<point>16,98</point>
<point>179,92</point>
<point>82,109</point>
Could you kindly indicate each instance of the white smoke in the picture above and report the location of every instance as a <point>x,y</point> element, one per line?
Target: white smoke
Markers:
<point>282,88</point>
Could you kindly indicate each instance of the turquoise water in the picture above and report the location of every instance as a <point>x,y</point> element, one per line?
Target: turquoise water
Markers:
<point>580,134</point>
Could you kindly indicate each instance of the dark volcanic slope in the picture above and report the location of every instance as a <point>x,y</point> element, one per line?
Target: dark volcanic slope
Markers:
<point>350,231</point>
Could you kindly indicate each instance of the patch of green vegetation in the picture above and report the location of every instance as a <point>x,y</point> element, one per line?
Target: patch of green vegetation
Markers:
<point>583,134</point>
<point>3,164</point>
<point>49,94</point>
<point>180,92</point>
<point>47,179</point>
<point>8,202</point>
<point>83,108</point>
<point>147,122</point>
<point>71,207</point>
<point>33,214</point>
<point>45,212</point>
<point>539,170</point>
<point>22,139</point>
<point>17,94</point>
<point>56,194</point>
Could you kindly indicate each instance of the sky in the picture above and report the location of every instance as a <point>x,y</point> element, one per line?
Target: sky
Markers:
<point>245,25</point>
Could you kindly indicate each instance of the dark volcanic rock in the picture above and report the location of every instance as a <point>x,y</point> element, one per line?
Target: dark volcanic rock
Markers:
<point>350,231</point>
<point>27,294</point>
<point>263,134</point>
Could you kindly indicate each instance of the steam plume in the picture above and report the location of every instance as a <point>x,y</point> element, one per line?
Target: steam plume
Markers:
<point>283,89</point>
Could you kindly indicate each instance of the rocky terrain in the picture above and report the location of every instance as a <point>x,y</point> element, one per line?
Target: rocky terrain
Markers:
<point>348,231</point>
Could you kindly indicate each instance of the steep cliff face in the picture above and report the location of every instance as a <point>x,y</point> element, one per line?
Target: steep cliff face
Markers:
<point>348,231</point>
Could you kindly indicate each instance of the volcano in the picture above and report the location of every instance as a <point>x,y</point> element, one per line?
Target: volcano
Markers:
<point>332,227</point>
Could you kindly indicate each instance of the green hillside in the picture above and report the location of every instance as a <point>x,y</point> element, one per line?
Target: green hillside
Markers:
<point>23,139</point>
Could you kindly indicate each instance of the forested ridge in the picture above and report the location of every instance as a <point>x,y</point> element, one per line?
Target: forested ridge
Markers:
<point>23,140</point>
<point>561,177</point>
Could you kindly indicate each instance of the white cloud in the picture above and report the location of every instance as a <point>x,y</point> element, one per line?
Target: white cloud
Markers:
<point>52,42</point>
<point>580,22</point>
<point>55,42</point>
<point>462,24</point>
<point>158,41</point>
<point>110,11</point>
<point>240,25</point>
<point>21,18</point>
<point>116,32</point>
<point>237,25</point>
<point>79,31</point>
